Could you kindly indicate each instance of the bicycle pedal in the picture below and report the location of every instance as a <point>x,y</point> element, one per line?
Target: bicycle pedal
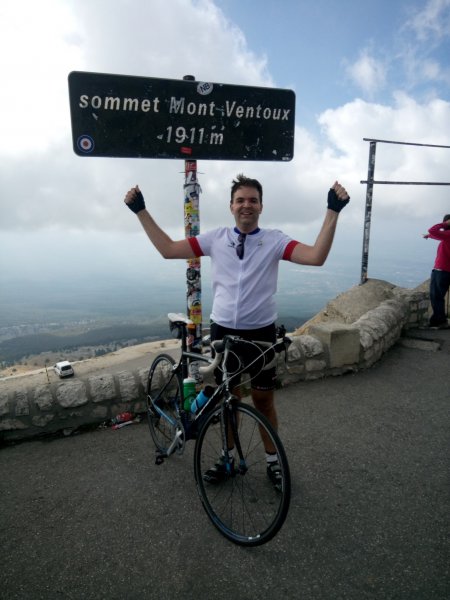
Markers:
<point>159,458</point>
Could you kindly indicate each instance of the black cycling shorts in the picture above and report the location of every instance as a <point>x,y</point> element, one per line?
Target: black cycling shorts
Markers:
<point>248,355</point>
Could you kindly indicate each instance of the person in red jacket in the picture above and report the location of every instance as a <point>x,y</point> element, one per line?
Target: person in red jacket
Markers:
<point>440,275</point>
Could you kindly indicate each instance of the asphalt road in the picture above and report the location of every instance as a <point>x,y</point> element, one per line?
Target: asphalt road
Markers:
<point>92,517</point>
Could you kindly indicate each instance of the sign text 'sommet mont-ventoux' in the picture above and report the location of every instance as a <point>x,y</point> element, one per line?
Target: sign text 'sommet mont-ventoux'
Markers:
<point>142,117</point>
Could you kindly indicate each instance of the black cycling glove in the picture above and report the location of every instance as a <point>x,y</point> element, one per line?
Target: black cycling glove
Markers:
<point>334,203</point>
<point>138,202</point>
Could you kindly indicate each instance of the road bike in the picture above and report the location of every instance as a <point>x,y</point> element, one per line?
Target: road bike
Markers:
<point>245,506</point>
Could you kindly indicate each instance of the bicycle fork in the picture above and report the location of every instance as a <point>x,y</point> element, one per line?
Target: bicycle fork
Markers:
<point>177,442</point>
<point>175,445</point>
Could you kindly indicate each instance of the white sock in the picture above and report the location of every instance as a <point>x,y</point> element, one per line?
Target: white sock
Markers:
<point>271,458</point>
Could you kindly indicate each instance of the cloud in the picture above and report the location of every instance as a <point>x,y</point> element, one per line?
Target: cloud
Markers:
<point>37,44</point>
<point>57,37</point>
<point>405,121</point>
<point>367,73</point>
<point>158,39</point>
<point>432,23</point>
<point>416,60</point>
<point>45,187</point>
<point>424,56</point>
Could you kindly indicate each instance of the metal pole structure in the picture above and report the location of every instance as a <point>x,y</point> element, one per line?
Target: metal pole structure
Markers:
<point>370,181</point>
<point>192,192</point>
<point>405,143</point>
<point>368,213</point>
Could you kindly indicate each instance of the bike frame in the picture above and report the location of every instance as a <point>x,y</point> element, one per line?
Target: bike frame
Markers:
<point>228,416</point>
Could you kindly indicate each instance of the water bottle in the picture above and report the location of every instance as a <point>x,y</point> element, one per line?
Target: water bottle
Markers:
<point>194,371</point>
<point>189,392</point>
<point>202,398</point>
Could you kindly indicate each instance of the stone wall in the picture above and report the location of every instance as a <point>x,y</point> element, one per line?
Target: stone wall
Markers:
<point>343,338</point>
<point>351,333</point>
<point>70,404</point>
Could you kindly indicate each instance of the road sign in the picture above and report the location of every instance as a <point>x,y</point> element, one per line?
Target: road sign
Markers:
<point>142,117</point>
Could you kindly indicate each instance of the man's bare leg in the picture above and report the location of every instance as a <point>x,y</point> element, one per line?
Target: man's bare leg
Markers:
<point>264,402</point>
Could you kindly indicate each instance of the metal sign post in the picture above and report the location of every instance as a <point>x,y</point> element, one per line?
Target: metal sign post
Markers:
<point>193,271</point>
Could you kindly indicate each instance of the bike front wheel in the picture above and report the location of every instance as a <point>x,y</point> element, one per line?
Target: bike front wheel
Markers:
<point>244,506</point>
<point>163,402</point>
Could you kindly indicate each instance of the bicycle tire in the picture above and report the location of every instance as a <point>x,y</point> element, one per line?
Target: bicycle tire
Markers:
<point>245,507</point>
<point>164,397</point>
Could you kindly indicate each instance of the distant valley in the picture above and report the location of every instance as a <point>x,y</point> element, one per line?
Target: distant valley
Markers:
<point>45,319</point>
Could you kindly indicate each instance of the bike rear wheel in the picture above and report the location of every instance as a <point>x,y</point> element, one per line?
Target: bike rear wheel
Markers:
<point>245,507</point>
<point>164,399</point>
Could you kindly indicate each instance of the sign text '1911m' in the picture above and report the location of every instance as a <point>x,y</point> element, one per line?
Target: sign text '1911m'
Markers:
<point>114,115</point>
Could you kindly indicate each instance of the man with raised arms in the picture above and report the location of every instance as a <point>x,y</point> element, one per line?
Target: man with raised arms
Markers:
<point>244,273</point>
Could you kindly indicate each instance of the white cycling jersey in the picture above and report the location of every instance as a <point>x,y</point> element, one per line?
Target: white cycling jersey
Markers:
<point>243,290</point>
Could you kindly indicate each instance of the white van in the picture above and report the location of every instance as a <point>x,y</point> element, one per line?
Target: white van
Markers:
<point>64,369</point>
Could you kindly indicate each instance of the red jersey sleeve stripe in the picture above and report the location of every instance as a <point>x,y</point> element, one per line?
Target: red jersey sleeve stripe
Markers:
<point>289,250</point>
<point>195,246</point>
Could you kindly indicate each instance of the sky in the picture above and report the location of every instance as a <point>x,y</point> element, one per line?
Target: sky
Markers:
<point>359,69</point>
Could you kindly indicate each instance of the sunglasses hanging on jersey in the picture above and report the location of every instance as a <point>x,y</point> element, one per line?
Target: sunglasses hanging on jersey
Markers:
<point>240,245</point>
